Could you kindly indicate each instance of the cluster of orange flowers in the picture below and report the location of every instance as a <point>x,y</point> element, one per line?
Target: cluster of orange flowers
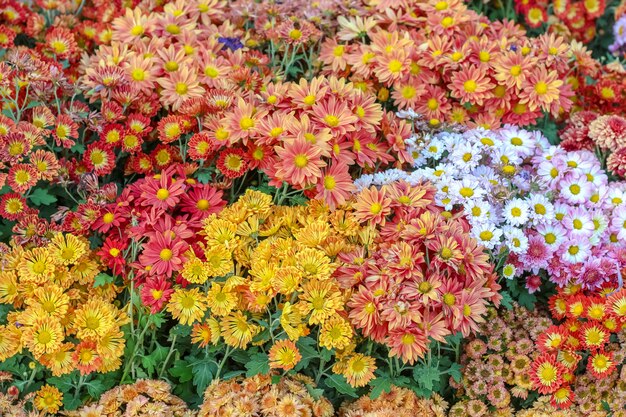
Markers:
<point>450,64</point>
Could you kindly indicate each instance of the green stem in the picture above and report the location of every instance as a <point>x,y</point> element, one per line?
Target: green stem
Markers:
<point>169,354</point>
<point>223,362</point>
<point>81,381</point>
<point>131,360</point>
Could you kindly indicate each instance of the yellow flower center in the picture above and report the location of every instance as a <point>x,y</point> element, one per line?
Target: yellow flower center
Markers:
<point>301,161</point>
<point>202,204</point>
<point>329,182</point>
<point>137,30</point>
<point>162,194</point>
<point>246,123</point>
<point>332,121</point>
<point>394,66</point>
<point>541,88</point>
<point>470,86</point>
<point>181,89</point>
<point>515,70</point>
<point>376,208</point>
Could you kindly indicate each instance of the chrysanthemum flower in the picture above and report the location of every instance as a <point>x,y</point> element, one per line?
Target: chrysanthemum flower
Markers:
<point>12,206</point>
<point>300,162</point>
<point>601,364</point>
<point>540,89</point>
<point>86,358</point>
<point>284,355</point>
<point>471,85</point>
<point>373,206</point>
<point>320,300</point>
<point>335,115</point>
<point>359,370</point>
<point>407,343</point>
<point>164,254</point>
<point>155,293</point>
<point>187,305</point>
<point>336,333</point>
<point>237,331</point>
<point>161,193</point>
<point>546,373</point>
<point>133,25</point>
<point>232,162</point>
<point>48,399</point>
<point>179,86</point>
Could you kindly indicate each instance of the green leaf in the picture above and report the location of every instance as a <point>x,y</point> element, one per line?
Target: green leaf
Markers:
<point>507,300</point>
<point>527,300</point>
<point>204,176</point>
<point>78,148</point>
<point>340,383</point>
<point>71,402</point>
<point>258,364</point>
<point>63,383</point>
<point>157,319</point>
<point>182,370</point>
<point>380,384</point>
<point>155,359</point>
<point>103,279</point>
<point>426,375</point>
<point>455,372</point>
<point>41,197</point>
<point>232,374</point>
<point>308,352</point>
<point>203,375</point>
<point>95,388</point>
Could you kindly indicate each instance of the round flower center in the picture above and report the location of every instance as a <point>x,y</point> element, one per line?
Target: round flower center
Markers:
<point>202,204</point>
<point>394,66</point>
<point>376,208</point>
<point>446,253</point>
<point>162,194</point>
<point>486,235</point>
<point>165,254</point>
<point>246,123</point>
<point>329,182</point>
<point>44,337</point>
<point>332,121</point>
<point>301,161</point>
<point>295,34</point>
<point>181,89</point>
<point>516,212</point>
<point>470,86</point>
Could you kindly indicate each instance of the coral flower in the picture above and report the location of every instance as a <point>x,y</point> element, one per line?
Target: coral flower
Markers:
<point>179,86</point>
<point>409,344</point>
<point>300,162</point>
<point>546,373</point>
<point>373,206</point>
<point>164,255</point>
<point>155,293</point>
<point>471,85</point>
<point>335,185</point>
<point>284,355</point>
<point>161,193</point>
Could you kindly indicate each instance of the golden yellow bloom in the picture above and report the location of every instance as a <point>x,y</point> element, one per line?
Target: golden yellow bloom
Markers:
<point>51,300</point>
<point>10,341</point>
<point>8,287</point>
<point>287,280</point>
<point>359,370</point>
<point>313,234</point>
<point>314,264</point>
<point>220,300</point>
<point>220,232</point>
<point>85,270</point>
<point>36,266</point>
<point>94,319</point>
<point>194,270</point>
<point>60,361</point>
<point>322,299</point>
<point>284,355</point>
<point>48,399</point>
<point>44,336</point>
<point>336,333</point>
<point>218,260</point>
<point>292,322</point>
<point>236,330</point>
<point>187,305</point>
<point>66,249</point>
<point>256,202</point>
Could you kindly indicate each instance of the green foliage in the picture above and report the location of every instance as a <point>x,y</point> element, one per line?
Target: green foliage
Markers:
<point>41,197</point>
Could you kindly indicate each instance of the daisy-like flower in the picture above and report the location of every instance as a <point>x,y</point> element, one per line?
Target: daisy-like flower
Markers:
<point>164,254</point>
<point>48,399</point>
<point>601,364</point>
<point>232,162</point>
<point>300,163</point>
<point>516,212</point>
<point>335,185</point>
<point>162,192</point>
<point>133,25</point>
<point>86,358</point>
<point>66,249</point>
<point>562,398</point>
<point>540,89</point>
<point>12,206</point>
<point>284,355</point>
<point>187,305</point>
<point>179,86</point>
<point>359,370</point>
<point>546,373</point>
<point>155,293</point>
<point>574,251</point>
<point>516,240</point>
<point>487,234</point>
<point>471,85</point>
<point>407,343</point>
<point>45,335</point>
<point>99,158</point>
<point>336,333</point>
<point>237,331</point>
<point>373,206</point>
<point>335,115</point>
<point>22,177</point>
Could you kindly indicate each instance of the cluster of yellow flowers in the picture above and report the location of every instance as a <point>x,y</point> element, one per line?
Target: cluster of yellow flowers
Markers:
<point>60,315</point>
<point>261,259</point>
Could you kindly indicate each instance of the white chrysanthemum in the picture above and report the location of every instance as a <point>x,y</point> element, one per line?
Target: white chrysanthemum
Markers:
<point>509,271</point>
<point>465,157</point>
<point>516,240</point>
<point>575,251</point>
<point>478,211</point>
<point>541,209</point>
<point>364,181</point>
<point>466,189</point>
<point>516,212</point>
<point>434,149</point>
<point>521,141</point>
<point>487,234</point>
<point>553,235</point>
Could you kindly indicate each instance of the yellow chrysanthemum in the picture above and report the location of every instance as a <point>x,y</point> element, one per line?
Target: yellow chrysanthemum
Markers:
<point>66,249</point>
<point>336,333</point>
<point>284,355</point>
<point>220,300</point>
<point>10,341</point>
<point>320,299</point>
<point>313,263</point>
<point>44,336</point>
<point>50,299</point>
<point>218,260</point>
<point>359,370</point>
<point>187,305</point>
<point>94,319</point>
<point>36,266</point>
<point>237,331</point>
<point>8,287</point>
<point>48,399</point>
<point>194,270</point>
<point>292,322</point>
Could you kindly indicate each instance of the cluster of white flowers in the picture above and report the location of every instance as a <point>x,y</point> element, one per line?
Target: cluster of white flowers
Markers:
<point>513,187</point>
